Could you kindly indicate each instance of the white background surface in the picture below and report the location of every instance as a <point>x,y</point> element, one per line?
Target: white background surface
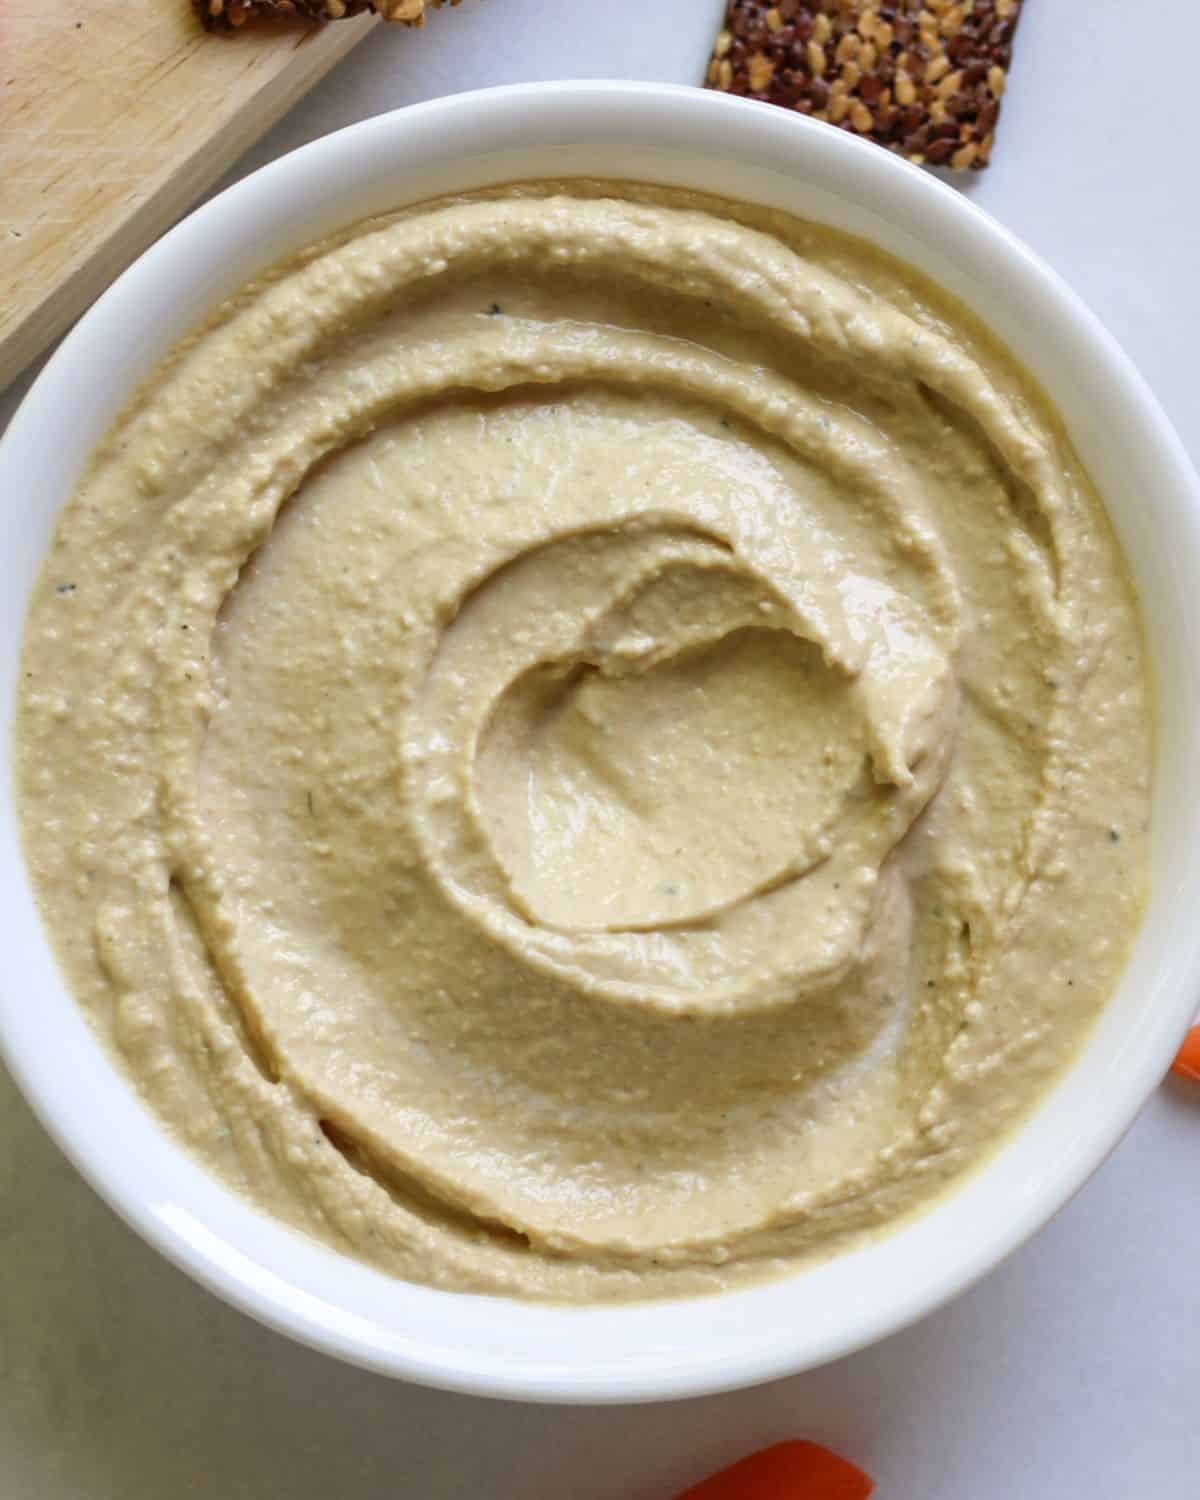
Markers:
<point>1072,1372</point>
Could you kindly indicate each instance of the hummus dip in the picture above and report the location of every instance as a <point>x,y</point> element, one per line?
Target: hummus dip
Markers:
<point>588,742</point>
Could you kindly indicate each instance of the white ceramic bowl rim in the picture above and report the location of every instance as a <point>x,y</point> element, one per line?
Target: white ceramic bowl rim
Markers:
<point>641,1351</point>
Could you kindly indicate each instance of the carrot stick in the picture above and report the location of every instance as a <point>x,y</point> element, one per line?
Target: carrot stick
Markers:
<point>788,1471</point>
<point>1187,1063</point>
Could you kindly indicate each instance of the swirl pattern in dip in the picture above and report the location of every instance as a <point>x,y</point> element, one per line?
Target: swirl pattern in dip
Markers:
<point>587,742</point>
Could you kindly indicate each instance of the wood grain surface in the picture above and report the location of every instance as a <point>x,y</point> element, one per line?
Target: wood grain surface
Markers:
<point>115,115</point>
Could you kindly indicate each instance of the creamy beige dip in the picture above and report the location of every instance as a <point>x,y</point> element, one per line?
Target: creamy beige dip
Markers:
<point>588,742</point>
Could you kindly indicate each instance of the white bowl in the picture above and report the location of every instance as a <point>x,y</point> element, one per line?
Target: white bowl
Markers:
<point>636,1352</point>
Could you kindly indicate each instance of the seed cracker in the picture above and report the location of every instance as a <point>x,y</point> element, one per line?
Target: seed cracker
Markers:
<point>922,77</point>
<point>229,15</point>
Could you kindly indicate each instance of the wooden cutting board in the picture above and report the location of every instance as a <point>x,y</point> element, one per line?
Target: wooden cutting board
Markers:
<point>115,115</point>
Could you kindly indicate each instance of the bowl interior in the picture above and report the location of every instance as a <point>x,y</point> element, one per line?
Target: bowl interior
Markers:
<point>644,1351</point>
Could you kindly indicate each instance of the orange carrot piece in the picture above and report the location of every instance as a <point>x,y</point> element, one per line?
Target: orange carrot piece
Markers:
<point>1187,1062</point>
<point>788,1471</point>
